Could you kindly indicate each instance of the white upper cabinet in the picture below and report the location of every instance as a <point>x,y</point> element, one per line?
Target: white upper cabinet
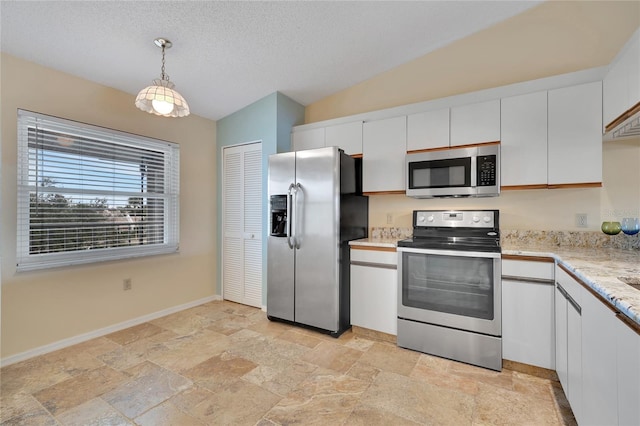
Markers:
<point>384,147</point>
<point>475,123</point>
<point>347,136</point>
<point>307,139</point>
<point>575,134</point>
<point>523,149</point>
<point>428,130</point>
<point>621,85</point>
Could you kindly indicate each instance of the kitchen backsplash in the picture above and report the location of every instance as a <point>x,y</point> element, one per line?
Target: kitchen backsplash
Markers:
<point>571,239</point>
<point>557,238</point>
<point>384,233</point>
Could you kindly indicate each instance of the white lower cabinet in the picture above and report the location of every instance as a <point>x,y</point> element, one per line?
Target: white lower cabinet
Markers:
<point>568,299</point>
<point>528,329</point>
<point>599,381</point>
<point>628,372</point>
<point>374,292</point>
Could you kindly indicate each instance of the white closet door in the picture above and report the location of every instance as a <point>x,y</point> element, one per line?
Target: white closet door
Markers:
<point>242,224</point>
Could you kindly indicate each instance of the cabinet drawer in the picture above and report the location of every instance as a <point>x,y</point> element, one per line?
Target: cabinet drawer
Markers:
<point>528,269</point>
<point>374,256</point>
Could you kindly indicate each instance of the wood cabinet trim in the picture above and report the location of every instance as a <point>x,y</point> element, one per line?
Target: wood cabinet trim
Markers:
<point>385,193</point>
<point>356,155</point>
<point>528,258</point>
<point>575,185</point>
<point>447,148</point>
<point>628,113</point>
<point>519,187</point>
<point>628,322</point>
<point>373,248</point>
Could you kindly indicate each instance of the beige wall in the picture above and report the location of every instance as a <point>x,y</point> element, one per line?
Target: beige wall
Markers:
<point>550,39</point>
<point>553,38</point>
<point>43,307</point>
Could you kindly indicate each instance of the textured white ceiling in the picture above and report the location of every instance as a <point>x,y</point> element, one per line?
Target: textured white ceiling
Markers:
<point>226,55</point>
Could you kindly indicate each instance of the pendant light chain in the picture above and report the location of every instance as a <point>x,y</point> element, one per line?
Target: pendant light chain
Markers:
<point>162,74</point>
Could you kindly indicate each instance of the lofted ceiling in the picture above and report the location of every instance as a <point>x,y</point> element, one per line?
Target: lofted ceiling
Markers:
<point>228,54</point>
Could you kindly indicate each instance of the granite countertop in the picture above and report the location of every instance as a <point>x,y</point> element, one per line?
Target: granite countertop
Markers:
<point>599,268</point>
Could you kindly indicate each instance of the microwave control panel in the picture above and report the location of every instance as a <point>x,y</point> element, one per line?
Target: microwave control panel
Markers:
<point>486,169</point>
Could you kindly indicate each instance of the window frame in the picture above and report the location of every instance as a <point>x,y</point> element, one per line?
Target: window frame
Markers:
<point>106,138</point>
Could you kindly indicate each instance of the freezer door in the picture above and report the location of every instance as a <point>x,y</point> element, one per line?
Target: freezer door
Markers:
<point>316,222</point>
<point>280,257</point>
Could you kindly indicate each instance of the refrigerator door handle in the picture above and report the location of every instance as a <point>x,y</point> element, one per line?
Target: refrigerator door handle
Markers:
<point>289,216</point>
<point>296,240</point>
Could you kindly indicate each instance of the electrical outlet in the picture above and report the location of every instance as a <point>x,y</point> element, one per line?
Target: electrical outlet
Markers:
<point>126,284</point>
<point>389,218</point>
<point>581,220</point>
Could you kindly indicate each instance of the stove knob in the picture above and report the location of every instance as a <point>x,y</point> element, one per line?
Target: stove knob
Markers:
<point>430,218</point>
<point>420,218</point>
<point>486,219</point>
<point>476,219</point>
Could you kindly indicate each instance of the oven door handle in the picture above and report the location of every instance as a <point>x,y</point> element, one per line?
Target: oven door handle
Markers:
<point>456,253</point>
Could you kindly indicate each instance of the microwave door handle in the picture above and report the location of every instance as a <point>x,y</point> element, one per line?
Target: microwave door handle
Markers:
<point>474,172</point>
<point>289,215</point>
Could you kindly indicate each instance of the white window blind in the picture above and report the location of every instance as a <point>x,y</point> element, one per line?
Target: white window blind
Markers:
<point>88,194</point>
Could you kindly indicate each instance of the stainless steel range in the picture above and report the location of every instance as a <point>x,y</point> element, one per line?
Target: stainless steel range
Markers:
<point>449,291</point>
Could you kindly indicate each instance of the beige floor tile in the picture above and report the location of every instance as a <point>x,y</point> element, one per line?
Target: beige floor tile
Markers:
<point>358,342</point>
<point>270,328</point>
<point>39,417</point>
<point>166,414</point>
<point>183,323</point>
<point>218,372</point>
<point>93,412</point>
<point>533,386</point>
<point>224,363</point>
<point>326,397</point>
<point>16,405</point>
<point>495,405</point>
<point>125,357</point>
<point>364,415</point>
<point>266,351</point>
<point>230,324</point>
<point>282,379</point>
<point>502,378</point>
<point>149,386</point>
<point>240,403</point>
<point>132,334</point>
<point>187,352</point>
<point>77,390</point>
<point>388,357</point>
<point>31,376</point>
<point>294,336</point>
<point>418,401</point>
<point>432,372</point>
<point>333,356</point>
<point>364,372</point>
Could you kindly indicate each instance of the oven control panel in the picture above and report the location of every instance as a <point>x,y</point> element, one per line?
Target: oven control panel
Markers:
<point>455,218</point>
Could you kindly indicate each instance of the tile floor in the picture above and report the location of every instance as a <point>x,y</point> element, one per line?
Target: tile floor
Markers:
<point>223,363</point>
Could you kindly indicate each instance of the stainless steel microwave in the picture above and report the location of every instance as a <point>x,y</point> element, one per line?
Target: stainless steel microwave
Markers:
<point>455,172</point>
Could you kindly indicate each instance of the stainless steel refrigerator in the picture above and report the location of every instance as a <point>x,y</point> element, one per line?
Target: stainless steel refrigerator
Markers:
<point>316,208</point>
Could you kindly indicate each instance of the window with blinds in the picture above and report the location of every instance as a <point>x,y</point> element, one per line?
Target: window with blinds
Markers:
<point>89,194</point>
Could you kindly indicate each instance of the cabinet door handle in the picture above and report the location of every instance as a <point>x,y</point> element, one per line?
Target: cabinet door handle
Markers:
<point>373,265</point>
<point>570,299</point>
<point>528,280</point>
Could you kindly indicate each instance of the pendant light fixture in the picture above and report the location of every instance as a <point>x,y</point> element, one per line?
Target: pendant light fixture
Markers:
<point>160,98</point>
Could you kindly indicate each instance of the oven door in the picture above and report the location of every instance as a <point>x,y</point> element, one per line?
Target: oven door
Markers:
<point>457,289</point>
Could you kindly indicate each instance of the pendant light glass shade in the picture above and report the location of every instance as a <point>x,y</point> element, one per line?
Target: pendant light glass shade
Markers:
<point>160,98</point>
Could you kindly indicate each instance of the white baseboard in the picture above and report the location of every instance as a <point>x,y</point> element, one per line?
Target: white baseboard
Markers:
<point>60,344</point>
